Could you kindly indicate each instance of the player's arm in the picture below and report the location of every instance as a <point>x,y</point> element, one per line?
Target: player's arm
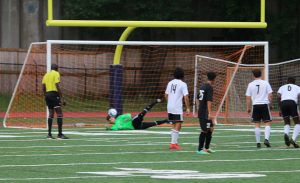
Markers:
<point>166,97</point>
<point>187,103</point>
<point>44,89</point>
<point>209,106</point>
<point>197,104</point>
<point>60,94</point>
<point>279,103</point>
<point>270,97</point>
<point>248,104</point>
<point>248,99</point>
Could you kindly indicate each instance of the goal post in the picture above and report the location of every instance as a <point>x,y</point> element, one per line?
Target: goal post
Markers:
<point>91,83</point>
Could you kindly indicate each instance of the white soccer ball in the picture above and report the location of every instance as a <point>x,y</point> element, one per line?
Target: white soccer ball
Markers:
<point>112,112</point>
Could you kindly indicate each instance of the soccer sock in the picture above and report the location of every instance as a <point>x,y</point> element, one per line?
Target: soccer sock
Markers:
<point>59,124</point>
<point>267,132</point>
<point>296,132</point>
<point>174,136</point>
<point>286,129</point>
<point>257,135</point>
<point>148,108</point>
<point>201,141</point>
<point>148,124</point>
<point>162,121</point>
<point>50,120</point>
<point>208,139</point>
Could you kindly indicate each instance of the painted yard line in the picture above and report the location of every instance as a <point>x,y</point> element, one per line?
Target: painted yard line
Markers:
<point>114,145</point>
<point>119,176</point>
<point>138,152</point>
<point>57,178</point>
<point>148,162</point>
<point>269,171</point>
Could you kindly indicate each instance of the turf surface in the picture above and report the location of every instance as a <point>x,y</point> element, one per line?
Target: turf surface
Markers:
<point>96,155</point>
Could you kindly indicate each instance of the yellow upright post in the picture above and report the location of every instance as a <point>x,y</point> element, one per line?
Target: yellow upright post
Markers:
<point>119,48</point>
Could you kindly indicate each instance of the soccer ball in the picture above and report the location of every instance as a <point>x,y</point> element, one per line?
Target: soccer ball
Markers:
<point>112,112</point>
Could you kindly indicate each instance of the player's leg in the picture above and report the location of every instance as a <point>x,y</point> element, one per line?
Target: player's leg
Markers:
<point>256,120</point>
<point>149,107</point>
<point>50,121</point>
<point>202,136</point>
<point>138,123</point>
<point>59,113</point>
<point>209,135</point>
<point>294,113</point>
<point>295,132</point>
<point>49,102</point>
<point>176,127</point>
<point>284,106</point>
<point>266,118</point>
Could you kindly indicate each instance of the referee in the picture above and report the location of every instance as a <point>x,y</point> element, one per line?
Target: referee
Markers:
<point>53,97</point>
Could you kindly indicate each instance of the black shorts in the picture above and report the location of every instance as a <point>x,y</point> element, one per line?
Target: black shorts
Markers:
<point>175,117</point>
<point>289,108</point>
<point>260,113</point>
<point>52,100</point>
<point>137,121</point>
<point>205,124</point>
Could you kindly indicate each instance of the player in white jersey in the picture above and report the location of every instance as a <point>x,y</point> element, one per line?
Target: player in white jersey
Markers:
<point>175,92</point>
<point>287,100</point>
<point>260,93</point>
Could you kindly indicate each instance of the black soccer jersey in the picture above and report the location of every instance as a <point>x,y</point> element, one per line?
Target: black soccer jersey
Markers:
<point>205,94</point>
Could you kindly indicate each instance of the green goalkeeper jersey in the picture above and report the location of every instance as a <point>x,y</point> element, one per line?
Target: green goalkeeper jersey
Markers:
<point>123,122</point>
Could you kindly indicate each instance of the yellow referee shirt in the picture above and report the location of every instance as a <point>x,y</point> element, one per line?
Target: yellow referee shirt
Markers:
<point>50,79</point>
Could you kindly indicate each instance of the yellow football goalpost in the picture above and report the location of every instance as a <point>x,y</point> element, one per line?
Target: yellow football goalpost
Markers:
<point>132,25</point>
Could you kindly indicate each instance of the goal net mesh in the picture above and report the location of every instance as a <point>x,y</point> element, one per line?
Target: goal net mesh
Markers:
<point>146,69</point>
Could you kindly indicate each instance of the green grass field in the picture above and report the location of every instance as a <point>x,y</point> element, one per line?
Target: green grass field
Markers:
<point>96,155</point>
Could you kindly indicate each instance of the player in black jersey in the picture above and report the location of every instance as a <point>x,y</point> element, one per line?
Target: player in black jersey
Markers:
<point>204,103</point>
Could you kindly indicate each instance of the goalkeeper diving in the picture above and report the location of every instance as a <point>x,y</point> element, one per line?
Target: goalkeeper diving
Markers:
<point>127,122</point>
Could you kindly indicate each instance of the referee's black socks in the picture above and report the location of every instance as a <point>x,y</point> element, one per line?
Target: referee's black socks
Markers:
<point>59,123</point>
<point>50,120</point>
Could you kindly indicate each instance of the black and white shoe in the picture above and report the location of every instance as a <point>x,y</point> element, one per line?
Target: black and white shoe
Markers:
<point>62,136</point>
<point>258,145</point>
<point>294,143</point>
<point>50,137</point>
<point>267,143</point>
<point>287,140</point>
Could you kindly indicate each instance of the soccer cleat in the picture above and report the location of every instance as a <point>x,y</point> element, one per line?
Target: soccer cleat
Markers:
<point>50,137</point>
<point>287,140</point>
<point>148,108</point>
<point>174,147</point>
<point>294,143</point>
<point>203,152</point>
<point>258,145</point>
<point>62,136</point>
<point>267,143</point>
<point>210,151</point>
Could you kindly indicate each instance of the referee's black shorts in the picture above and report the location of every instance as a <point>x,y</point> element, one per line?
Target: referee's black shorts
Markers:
<point>261,112</point>
<point>52,99</point>
<point>289,108</point>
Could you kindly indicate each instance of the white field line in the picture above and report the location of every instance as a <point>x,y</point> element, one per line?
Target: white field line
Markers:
<point>149,143</point>
<point>118,138</point>
<point>58,178</point>
<point>103,176</point>
<point>140,152</point>
<point>148,162</point>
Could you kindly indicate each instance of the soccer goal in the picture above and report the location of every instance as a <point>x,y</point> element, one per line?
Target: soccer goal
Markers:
<point>91,83</point>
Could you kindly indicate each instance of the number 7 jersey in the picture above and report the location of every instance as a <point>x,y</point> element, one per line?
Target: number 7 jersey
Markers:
<point>259,90</point>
